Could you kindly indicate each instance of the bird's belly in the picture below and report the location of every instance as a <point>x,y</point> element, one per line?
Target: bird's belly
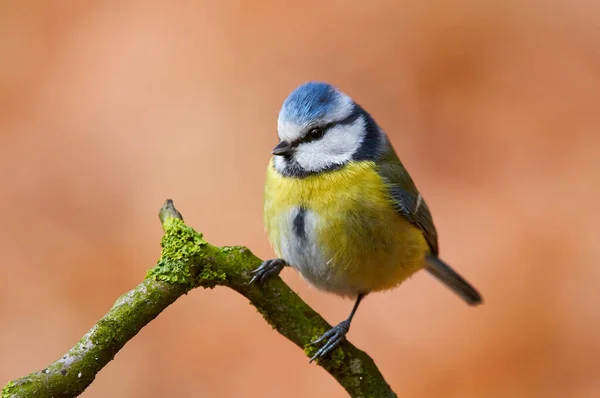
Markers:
<point>341,231</point>
<point>352,253</point>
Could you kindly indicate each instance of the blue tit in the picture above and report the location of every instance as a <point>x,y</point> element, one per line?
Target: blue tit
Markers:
<point>341,209</point>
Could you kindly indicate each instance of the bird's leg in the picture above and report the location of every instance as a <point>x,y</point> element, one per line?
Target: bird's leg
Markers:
<point>268,269</point>
<point>336,334</point>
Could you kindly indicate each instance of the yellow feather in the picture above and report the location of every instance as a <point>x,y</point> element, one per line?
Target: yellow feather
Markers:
<point>370,246</point>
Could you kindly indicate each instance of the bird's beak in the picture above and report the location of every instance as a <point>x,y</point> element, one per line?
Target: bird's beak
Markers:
<point>284,148</point>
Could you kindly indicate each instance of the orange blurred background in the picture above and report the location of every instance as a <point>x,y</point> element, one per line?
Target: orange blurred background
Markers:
<point>109,107</point>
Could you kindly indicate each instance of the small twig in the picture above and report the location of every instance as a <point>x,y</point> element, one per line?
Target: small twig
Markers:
<point>187,261</point>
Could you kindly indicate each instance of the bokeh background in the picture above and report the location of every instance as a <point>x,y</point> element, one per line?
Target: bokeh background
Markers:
<point>109,107</point>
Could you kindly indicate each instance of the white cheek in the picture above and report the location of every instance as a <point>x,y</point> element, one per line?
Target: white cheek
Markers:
<point>337,147</point>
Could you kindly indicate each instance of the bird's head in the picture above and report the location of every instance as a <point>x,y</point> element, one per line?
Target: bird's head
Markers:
<point>321,129</point>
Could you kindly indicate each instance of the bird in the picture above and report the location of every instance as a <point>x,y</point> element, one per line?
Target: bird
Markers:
<point>341,208</point>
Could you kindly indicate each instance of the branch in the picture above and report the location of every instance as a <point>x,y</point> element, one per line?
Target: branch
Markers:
<point>187,262</point>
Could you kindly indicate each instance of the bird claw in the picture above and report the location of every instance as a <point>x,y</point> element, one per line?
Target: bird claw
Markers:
<point>334,337</point>
<point>267,269</point>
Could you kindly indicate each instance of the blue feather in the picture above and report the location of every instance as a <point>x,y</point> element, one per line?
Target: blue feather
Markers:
<point>309,102</point>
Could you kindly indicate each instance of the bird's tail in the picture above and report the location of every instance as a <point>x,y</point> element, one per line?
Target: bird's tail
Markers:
<point>453,280</point>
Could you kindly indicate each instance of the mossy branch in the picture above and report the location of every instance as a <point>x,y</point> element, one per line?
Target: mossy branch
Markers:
<point>187,262</point>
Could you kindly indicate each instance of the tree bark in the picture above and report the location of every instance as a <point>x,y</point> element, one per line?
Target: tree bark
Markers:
<point>187,262</point>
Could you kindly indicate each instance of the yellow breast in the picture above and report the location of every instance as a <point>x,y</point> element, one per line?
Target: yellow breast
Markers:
<point>352,239</point>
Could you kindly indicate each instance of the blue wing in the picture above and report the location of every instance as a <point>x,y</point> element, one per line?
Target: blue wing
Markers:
<point>407,200</point>
<point>410,204</point>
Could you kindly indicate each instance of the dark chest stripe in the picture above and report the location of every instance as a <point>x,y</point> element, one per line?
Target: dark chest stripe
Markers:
<point>299,224</point>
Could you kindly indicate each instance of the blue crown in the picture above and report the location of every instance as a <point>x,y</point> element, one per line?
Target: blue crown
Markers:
<point>310,101</point>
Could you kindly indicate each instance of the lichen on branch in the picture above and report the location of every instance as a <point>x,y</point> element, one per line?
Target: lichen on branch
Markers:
<point>187,261</point>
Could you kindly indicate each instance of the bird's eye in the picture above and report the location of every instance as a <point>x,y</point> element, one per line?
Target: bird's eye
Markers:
<point>316,133</point>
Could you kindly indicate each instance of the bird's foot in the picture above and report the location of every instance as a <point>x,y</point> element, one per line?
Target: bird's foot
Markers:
<point>334,337</point>
<point>267,269</point>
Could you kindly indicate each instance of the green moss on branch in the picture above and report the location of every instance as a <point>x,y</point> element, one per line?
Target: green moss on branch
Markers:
<point>188,261</point>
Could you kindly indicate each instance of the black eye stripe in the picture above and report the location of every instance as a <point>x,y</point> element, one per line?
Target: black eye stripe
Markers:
<point>352,117</point>
<point>324,128</point>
